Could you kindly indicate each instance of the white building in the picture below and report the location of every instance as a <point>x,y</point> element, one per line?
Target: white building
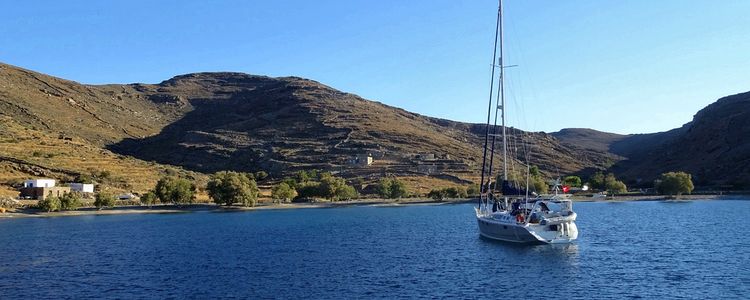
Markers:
<point>363,160</point>
<point>37,183</point>
<point>82,187</point>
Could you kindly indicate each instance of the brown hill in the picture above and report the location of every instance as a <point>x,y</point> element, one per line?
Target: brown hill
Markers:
<point>247,122</point>
<point>215,121</point>
<point>207,122</point>
<point>713,147</point>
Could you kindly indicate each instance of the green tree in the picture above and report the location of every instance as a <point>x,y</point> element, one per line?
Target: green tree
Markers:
<point>328,185</point>
<point>438,194</point>
<point>305,176</point>
<point>473,190</point>
<point>49,204</point>
<point>597,181</point>
<point>455,192</point>
<point>573,181</point>
<point>462,193</point>
<point>260,175</point>
<point>391,188</point>
<point>70,201</point>
<point>283,192</point>
<point>538,185</point>
<point>384,188</point>
<point>149,199</point>
<point>617,187</point>
<point>104,199</point>
<point>534,171</point>
<point>346,192</point>
<point>84,178</point>
<point>614,186</point>
<point>335,188</point>
<point>291,182</point>
<point>232,187</point>
<point>308,190</point>
<point>537,182</point>
<point>175,190</point>
<point>398,189</point>
<point>674,183</point>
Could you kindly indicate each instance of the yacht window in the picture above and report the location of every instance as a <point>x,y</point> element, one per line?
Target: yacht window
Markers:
<point>554,206</point>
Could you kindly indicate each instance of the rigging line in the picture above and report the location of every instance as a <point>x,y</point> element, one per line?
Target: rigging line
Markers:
<point>499,106</point>
<point>498,96</point>
<point>482,189</point>
<point>518,139</point>
<point>513,161</point>
<point>502,97</point>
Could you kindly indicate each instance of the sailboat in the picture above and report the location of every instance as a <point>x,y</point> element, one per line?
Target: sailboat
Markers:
<point>524,218</point>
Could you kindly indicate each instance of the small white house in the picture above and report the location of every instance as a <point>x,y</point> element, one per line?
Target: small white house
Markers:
<point>37,183</point>
<point>82,187</point>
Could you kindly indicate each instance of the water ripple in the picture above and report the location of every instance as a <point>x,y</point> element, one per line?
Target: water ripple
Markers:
<point>629,250</point>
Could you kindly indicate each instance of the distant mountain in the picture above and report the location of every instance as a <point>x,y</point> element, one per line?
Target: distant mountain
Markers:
<point>714,147</point>
<point>206,122</point>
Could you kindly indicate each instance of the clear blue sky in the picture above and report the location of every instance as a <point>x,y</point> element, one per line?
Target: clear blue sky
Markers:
<point>633,66</point>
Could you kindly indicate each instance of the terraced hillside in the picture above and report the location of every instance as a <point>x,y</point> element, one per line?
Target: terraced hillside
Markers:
<point>206,122</point>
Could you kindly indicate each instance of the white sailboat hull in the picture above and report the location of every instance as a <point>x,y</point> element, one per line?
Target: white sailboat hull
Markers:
<point>502,227</point>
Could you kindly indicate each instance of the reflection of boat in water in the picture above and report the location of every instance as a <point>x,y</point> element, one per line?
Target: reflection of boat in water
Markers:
<point>527,219</point>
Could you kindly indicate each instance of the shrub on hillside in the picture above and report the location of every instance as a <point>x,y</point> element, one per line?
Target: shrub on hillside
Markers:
<point>49,204</point>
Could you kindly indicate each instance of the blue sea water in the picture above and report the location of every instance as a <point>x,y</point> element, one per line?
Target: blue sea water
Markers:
<point>652,250</point>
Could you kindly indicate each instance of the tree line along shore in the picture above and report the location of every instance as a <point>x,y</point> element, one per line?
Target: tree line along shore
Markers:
<point>237,189</point>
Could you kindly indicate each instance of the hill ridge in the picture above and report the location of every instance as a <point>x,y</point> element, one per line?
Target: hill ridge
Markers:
<point>210,121</point>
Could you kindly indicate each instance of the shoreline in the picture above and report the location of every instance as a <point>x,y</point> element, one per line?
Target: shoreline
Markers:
<point>210,207</point>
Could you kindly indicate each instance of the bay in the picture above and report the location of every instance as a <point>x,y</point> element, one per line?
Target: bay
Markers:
<point>693,250</point>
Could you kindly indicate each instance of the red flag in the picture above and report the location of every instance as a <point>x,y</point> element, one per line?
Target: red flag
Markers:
<point>565,188</point>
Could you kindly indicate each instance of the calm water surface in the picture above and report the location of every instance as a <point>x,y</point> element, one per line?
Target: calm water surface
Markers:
<point>695,249</point>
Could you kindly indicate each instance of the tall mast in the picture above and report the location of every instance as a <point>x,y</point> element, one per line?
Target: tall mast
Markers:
<point>483,186</point>
<point>500,102</point>
<point>502,95</point>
